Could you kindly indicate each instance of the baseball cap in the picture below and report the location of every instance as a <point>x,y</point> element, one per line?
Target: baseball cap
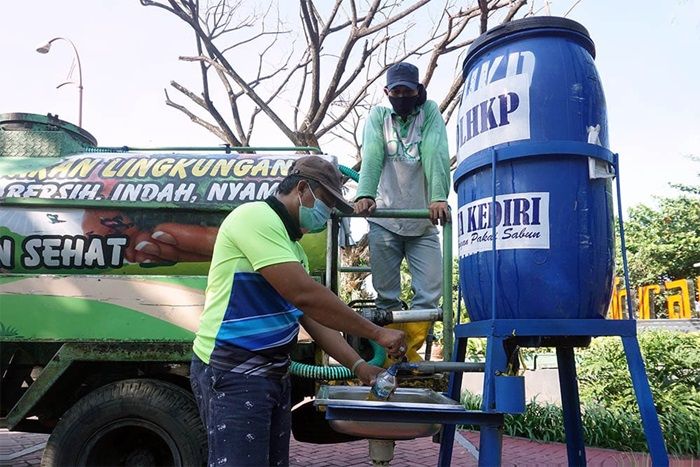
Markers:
<point>402,74</point>
<point>327,174</point>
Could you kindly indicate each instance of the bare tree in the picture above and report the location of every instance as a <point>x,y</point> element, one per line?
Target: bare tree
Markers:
<point>321,89</point>
<point>312,76</point>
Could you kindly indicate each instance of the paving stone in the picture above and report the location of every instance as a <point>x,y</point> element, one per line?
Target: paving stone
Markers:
<point>414,453</point>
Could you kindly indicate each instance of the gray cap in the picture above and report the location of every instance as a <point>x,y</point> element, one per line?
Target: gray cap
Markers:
<point>402,74</point>
<point>327,174</point>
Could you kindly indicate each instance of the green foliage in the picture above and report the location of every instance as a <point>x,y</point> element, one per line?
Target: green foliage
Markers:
<point>406,288</point>
<point>542,422</point>
<point>603,427</point>
<point>612,429</point>
<point>609,408</point>
<point>476,350</point>
<point>621,429</point>
<point>693,189</point>
<point>464,316</point>
<point>673,365</point>
<point>663,244</point>
<point>672,361</point>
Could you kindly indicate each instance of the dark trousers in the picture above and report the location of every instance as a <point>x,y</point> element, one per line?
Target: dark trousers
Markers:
<point>247,418</point>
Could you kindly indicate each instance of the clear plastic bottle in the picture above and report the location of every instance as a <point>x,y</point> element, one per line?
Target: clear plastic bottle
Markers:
<point>384,386</point>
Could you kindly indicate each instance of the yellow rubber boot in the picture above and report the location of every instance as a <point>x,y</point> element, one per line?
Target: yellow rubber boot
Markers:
<point>415,338</point>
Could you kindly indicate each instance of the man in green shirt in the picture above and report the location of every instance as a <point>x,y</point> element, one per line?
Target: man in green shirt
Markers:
<point>258,292</point>
<point>405,165</point>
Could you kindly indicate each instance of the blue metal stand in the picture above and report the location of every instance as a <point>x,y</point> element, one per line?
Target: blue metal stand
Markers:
<point>571,406</point>
<point>565,333</point>
<point>497,331</point>
<point>491,434</point>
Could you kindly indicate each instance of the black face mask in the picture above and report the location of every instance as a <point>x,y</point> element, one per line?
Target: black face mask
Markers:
<point>404,105</point>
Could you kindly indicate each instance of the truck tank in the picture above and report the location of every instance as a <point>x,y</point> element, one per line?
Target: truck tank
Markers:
<point>117,245</point>
<point>104,254</point>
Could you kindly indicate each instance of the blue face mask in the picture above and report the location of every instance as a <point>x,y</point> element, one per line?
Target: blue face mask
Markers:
<point>314,219</point>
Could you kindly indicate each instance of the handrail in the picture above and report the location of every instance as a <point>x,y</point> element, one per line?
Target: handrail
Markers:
<point>110,204</point>
<point>447,312</point>
<point>227,148</point>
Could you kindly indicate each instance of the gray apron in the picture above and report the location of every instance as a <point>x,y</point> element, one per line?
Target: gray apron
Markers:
<point>402,184</point>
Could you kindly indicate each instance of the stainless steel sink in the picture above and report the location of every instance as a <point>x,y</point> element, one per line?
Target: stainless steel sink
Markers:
<point>407,398</point>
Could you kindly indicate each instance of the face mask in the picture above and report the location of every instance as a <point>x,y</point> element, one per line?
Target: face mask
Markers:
<point>403,105</point>
<point>314,219</point>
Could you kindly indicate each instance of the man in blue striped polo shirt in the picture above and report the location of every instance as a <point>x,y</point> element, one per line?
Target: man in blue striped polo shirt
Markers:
<point>258,292</point>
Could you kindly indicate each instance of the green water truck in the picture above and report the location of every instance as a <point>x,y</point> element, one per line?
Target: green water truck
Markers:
<point>96,325</point>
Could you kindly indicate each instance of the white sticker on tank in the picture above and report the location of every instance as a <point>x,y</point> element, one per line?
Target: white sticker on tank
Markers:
<point>522,222</point>
<point>493,114</point>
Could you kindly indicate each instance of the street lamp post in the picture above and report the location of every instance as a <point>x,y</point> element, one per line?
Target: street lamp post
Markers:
<point>43,49</point>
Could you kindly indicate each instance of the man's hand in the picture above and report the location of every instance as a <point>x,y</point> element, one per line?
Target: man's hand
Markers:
<point>439,211</point>
<point>394,341</point>
<point>365,206</point>
<point>368,373</point>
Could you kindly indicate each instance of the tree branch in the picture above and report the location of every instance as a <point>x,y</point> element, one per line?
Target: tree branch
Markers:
<point>195,98</point>
<point>213,111</point>
<point>515,7</point>
<point>327,27</point>
<point>338,75</point>
<point>199,121</point>
<point>393,19</point>
<point>484,7</point>
<point>311,29</point>
<point>250,92</point>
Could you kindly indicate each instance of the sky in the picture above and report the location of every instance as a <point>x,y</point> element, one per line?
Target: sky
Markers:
<point>647,58</point>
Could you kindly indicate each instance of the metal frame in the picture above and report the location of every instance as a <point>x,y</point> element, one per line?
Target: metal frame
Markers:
<point>227,148</point>
<point>333,268</point>
<point>490,453</point>
<point>490,422</point>
<point>497,331</point>
<point>72,352</point>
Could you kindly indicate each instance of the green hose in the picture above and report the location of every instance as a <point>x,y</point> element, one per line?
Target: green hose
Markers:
<point>335,372</point>
<point>348,172</point>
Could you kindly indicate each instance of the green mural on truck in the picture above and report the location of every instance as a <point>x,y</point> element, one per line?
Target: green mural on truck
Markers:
<point>117,245</point>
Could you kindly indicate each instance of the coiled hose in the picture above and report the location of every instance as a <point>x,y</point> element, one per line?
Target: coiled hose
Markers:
<point>336,372</point>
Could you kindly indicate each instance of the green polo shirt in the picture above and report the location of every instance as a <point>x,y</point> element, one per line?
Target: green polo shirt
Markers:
<point>247,327</point>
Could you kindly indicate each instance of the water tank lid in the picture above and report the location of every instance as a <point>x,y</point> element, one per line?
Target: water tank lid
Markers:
<point>525,24</point>
<point>27,121</point>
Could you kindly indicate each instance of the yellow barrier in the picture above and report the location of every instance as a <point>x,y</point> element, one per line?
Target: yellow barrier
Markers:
<point>680,305</point>
<point>645,301</point>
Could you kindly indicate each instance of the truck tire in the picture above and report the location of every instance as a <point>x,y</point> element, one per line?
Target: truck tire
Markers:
<point>135,422</point>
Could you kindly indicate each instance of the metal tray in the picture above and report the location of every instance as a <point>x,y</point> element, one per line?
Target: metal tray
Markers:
<point>406,398</point>
<point>403,397</point>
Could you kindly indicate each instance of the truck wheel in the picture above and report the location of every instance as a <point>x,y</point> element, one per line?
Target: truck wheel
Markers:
<point>136,422</point>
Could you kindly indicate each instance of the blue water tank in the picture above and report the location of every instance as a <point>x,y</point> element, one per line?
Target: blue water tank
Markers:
<point>533,108</point>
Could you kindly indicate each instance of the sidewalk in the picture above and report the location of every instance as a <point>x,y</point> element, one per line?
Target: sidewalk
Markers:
<point>25,449</point>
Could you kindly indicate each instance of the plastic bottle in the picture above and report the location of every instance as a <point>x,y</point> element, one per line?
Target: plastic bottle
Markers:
<point>384,386</point>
